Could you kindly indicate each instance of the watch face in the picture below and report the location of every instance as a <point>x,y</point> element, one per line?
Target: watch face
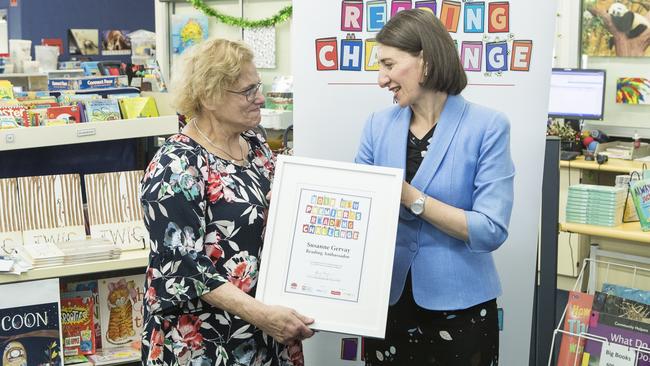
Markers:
<point>417,207</point>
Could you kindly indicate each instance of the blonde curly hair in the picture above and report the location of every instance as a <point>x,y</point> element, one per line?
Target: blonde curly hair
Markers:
<point>206,70</point>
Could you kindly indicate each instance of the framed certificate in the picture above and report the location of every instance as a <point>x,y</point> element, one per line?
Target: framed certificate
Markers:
<point>330,241</point>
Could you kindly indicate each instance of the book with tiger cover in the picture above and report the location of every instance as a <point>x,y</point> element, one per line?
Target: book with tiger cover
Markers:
<point>576,321</point>
<point>121,310</point>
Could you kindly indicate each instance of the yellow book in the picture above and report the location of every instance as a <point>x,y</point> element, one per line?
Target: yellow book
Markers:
<point>138,107</point>
<point>6,90</point>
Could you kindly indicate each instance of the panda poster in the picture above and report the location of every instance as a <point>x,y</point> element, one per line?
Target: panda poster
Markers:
<point>619,28</point>
<point>30,332</point>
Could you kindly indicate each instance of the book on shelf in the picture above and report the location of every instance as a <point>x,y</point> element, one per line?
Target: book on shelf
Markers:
<point>575,321</point>
<point>92,287</point>
<point>99,110</point>
<point>69,114</point>
<point>640,193</point>
<point>11,229</point>
<point>114,209</point>
<point>51,208</point>
<point>139,107</point>
<point>629,293</point>
<point>77,319</point>
<point>78,360</point>
<point>618,330</point>
<point>121,310</point>
<point>621,307</point>
<point>6,89</point>
<point>115,355</point>
<point>33,336</point>
<point>17,112</point>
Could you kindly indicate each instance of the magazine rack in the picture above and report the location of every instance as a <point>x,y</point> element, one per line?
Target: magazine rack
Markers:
<point>593,263</point>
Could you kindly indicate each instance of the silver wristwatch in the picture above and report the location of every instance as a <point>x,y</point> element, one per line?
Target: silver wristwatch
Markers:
<point>417,207</point>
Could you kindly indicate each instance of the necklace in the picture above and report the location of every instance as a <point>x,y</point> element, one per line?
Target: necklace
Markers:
<point>242,162</point>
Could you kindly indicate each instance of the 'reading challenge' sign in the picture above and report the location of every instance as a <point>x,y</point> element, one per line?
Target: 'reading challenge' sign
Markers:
<point>492,47</point>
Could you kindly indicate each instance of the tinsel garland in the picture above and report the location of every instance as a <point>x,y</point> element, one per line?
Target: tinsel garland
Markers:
<point>282,16</point>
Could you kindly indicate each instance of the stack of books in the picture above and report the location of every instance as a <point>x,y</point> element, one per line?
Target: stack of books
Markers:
<point>90,250</point>
<point>595,205</point>
<point>42,255</point>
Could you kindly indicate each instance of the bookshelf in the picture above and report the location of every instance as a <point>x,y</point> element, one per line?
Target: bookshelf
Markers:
<point>34,137</point>
<point>128,260</point>
<point>612,166</point>
<point>627,231</point>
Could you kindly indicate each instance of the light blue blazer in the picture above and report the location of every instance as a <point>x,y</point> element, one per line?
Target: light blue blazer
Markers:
<point>468,166</point>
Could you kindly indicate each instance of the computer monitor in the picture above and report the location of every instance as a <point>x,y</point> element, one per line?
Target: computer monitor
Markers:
<point>577,94</point>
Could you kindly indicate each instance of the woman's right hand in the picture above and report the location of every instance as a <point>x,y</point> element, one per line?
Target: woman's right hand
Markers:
<point>285,325</point>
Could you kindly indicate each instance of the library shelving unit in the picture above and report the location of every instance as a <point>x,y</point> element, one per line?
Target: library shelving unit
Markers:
<point>34,137</point>
<point>128,260</point>
<point>40,142</point>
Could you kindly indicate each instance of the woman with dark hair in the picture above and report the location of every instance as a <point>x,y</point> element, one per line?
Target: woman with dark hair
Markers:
<point>456,200</point>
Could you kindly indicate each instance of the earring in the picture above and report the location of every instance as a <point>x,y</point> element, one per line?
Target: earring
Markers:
<point>426,69</point>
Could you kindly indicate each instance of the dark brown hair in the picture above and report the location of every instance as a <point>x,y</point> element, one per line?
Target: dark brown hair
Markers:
<point>418,30</point>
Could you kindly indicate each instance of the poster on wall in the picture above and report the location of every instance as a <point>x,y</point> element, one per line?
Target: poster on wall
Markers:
<point>116,42</point>
<point>83,41</point>
<point>262,42</point>
<point>633,91</point>
<point>188,30</point>
<point>505,48</point>
<point>618,28</point>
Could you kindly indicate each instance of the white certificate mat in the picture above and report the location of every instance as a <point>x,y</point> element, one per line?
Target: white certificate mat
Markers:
<point>330,241</point>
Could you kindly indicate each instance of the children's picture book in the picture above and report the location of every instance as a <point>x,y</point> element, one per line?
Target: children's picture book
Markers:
<point>116,42</point>
<point>576,321</point>
<point>618,330</point>
<point>77,319</point>
<point>114,210</point>
<point>83,41</point>
<point>72,99</point>
<point>121,310</point>
<point>78,360</point>
<point>31,332</point>
<point>640,192</point>
<point>115,356</point>
<point>139,107</point>
<point>629,293</point>
<point>92,287</point>
<point>99,110</point>
<point>188,30</point>
<point>621,307</point>
<point>69,114</point>
<point>6,89</point>
<point>11,235</point>
<point>17,112</point>
<point>52,208</point>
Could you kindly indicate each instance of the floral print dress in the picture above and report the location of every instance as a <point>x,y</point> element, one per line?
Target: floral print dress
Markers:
<point>206,220</point>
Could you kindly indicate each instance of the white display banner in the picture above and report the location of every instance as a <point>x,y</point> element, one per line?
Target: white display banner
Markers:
<point>506,49</point>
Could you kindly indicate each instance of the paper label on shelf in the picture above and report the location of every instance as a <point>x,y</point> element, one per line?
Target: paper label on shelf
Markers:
<point>129,235</point>
<point>614,354</point>
<point>57,235</point>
